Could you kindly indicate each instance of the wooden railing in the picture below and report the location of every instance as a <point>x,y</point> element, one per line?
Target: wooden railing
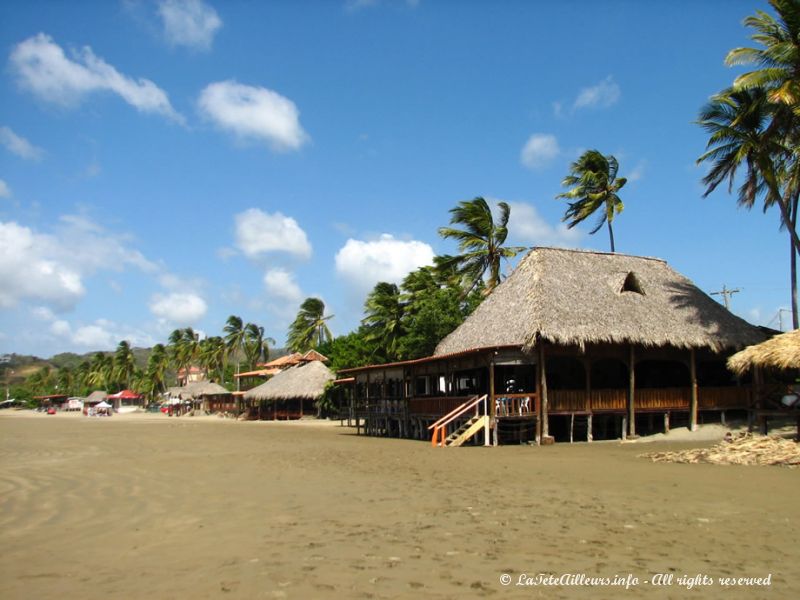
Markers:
<point>515,405</point>
<point>662,398</point>
<point>609,399</point>
<point>435,406</point>
<point>567,401</point>
<point>723,397</point>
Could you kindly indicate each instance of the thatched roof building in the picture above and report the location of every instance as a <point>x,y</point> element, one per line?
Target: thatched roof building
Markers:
<point>575,297</point>
<point>780,352</point>
<point>306,381</point>
<point>95,397</point>
<point>198,389</point>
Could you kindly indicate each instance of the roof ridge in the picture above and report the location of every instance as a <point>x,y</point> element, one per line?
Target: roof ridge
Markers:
<point>598,252</point>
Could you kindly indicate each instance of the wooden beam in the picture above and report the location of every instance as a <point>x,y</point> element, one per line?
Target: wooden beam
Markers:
<point>631,393</point>
<point>543,384</point>
<point>693,396</point>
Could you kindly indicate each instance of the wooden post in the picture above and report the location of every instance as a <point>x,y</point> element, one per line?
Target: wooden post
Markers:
<point>693,396</point>
<point>666,422</point>
<point>491,407</point>
<point>631,416</point>
<point>589,436</point>
<point>571,425</point>
<point>543,378</point>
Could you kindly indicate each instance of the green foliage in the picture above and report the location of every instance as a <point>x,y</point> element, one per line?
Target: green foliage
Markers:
<point>309,329</point>
<point>351,350</point>
<point>594,185</point>
<point>480,241</point>
<point>754,126</point>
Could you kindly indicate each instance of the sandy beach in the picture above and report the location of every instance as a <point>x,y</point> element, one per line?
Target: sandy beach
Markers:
<point>146,506</point>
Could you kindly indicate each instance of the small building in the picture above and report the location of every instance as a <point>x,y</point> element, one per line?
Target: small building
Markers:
<point>573,344</point>
<point>292,393</point>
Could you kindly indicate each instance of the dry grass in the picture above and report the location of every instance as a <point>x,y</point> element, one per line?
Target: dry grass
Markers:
<point>739,449</point>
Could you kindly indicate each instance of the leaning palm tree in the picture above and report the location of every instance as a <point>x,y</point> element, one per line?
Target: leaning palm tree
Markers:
<point>383,319</point>
<point>778,79</point>
<point>124,363</point>
<point>480,243</point>
<point>212,356</point>
<point>155,373</point>
<point>234,341</point>
<point>310,328</point>
<point>256,344</point>
<point>755,124</point>
<point>594,186</point>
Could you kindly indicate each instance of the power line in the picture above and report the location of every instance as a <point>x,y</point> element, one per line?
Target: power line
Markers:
<point>726,295</point>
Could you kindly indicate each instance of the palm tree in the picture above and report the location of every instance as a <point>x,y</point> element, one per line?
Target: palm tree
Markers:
<point>779,58</point>
<point>256,345</point>
<point>124,363</point>
<point>383,318</point>
<point>309,329</point>
<point>594,182</point>
<point>756,124</point>
<point>212,355</point>
<point>155,374</point>
<point>234,340</point>
<point>102,371</point>
<point>480,243</point>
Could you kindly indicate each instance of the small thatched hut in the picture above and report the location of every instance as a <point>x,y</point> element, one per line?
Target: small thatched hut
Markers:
<point>572,341</point>
<point>208,396</point>
<point>781,352</point>
<point>291,393</point>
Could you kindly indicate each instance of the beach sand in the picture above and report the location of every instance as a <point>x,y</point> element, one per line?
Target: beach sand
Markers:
<point>146,506</point>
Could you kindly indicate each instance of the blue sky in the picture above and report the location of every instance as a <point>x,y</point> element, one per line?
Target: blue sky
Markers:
<point>169,163</point>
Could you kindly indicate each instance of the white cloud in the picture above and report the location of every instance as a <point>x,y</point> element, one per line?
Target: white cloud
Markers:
<point>178,308</point>
<point>18,145</point>
<point>253,113</point>
<point>281,284</point>
<point>363,264</point>
<point>5,191</point>
<point>44,69</point>
<point>30,268</point>
<point>638,171</point>
<point>258,232</point>
<point>604,94</point>
<point>539,151</point>
<point>191,23</point>
<point>51,267</point>
<point>526,226</point>
<point>101,334</point>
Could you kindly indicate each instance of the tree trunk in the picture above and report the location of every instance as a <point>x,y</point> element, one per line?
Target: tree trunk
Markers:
<point>611,236</point>
<point>793,269</point>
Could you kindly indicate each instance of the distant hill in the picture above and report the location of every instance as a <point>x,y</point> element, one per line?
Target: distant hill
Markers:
<point>20,366</point>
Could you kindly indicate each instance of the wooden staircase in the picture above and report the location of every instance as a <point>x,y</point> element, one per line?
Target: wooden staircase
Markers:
<point>466,431</point>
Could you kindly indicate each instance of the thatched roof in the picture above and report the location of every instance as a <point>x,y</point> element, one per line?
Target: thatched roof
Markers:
<point>303,381</point>
<point>198,389</point>
<point>575,297</point>
<point>780,352</point>
<point>96,396</point>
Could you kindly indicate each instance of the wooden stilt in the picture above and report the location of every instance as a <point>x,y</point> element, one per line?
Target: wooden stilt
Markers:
<point>631,416</point>
<point>589,436</point>
<point>624,429</point>
<point>571,425</point>
<point>693,396</point>
<point>666,422</point>
<point>543,384</point>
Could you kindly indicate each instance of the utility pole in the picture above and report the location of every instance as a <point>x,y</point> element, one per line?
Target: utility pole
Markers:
<point>726,295</point>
